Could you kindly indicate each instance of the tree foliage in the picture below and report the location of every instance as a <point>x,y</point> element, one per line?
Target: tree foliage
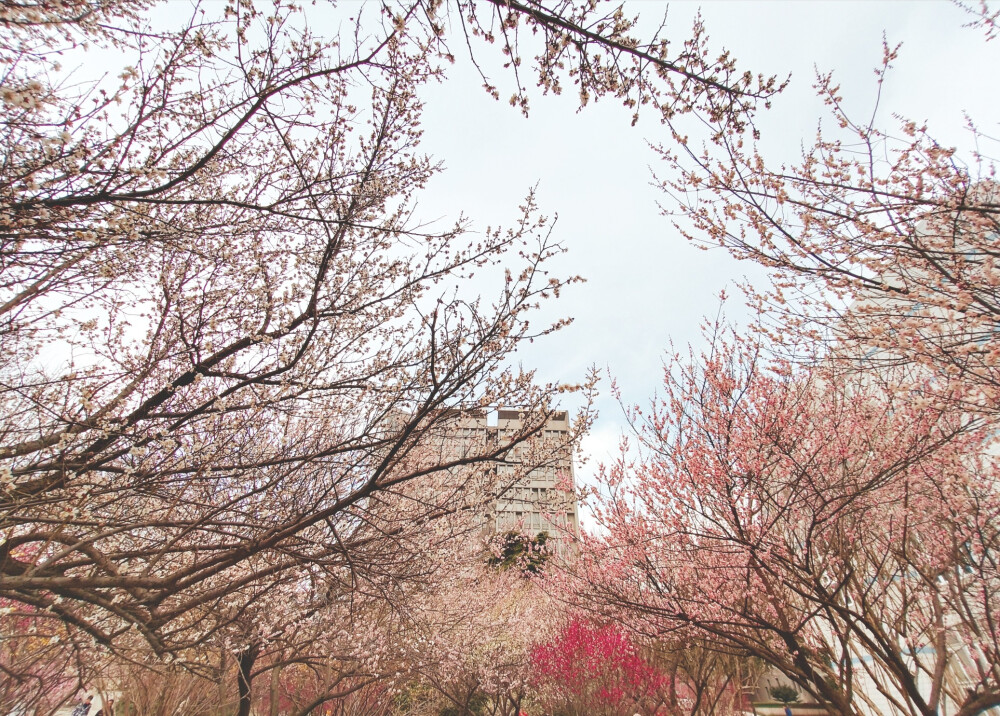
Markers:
<point>514,549</point>
<point>831,514</point>
<point>784,693</point>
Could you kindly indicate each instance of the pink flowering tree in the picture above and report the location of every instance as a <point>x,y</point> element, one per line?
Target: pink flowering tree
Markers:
<point>841,531</point>
<point>225,348</point>
<point>466,642</point>
<point>851,508</point>
<point>880,240</point>
<point>226,341</point>
<point>228,347</point>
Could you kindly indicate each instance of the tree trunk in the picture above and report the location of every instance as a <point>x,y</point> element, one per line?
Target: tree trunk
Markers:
<point>223,688</point>
<point>975,705</point>
<point>275,676</point>
<point>245,659</point>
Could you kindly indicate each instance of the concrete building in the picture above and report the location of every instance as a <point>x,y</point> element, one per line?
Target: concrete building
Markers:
<point>531,488</point>
<point>538,498</point>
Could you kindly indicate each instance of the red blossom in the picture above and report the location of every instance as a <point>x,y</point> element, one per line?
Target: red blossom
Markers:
<point>596,664</point>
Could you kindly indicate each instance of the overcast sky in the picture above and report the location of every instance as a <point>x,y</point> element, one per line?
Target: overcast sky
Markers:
<point>645,286</point>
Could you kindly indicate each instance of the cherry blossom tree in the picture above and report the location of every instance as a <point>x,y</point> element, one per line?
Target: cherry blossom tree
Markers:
<point>38,659</point>
<point>467,639</point>
<point>703,681</point>
<point>881,241</point>
<point>225,347</point>
<point>881,246</point>
<point>229,355</point>
<point>842,532</point>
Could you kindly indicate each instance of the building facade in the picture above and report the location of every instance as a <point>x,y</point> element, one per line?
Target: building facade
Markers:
<point>536,488</point>
<point>530,488</point>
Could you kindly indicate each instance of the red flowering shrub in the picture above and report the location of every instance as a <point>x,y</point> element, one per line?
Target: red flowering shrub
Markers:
<point>594,670</point>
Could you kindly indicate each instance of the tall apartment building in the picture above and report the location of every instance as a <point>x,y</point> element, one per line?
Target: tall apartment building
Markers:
<point>532,488</point>
<point>543,499</point>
